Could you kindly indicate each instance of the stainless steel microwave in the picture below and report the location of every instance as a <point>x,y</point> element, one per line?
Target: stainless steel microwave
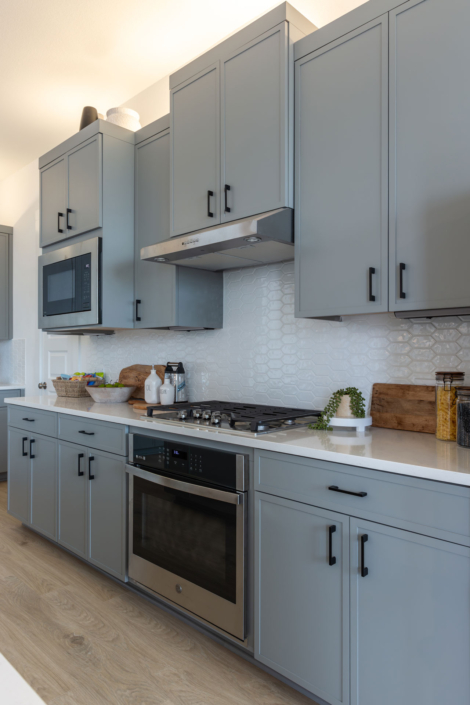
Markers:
<point>70,286</point>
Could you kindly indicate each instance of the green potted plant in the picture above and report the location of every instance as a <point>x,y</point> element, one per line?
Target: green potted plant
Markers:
<point>357,405</point>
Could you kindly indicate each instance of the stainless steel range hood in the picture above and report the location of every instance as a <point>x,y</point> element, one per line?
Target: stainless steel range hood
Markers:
<point>250,242</point>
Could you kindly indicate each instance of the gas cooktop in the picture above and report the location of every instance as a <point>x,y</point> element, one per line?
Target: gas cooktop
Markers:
<point>233,416</point>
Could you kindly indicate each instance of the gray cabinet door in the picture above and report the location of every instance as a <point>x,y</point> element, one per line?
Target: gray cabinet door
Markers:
<point>19,466</point>
<point>52,206</point>
<point>84,187</point>
<point>3,440</point>
<point>255,124</point>
<point>301,601</point>
<point>72,491</point>
<point>429,155</point>
<point>410,618</point>
<point>154,283</point>
<point>5,287</point>
<point>43,456</point>
<point>106,513</point>
<point>195,152</point>
<point>341,178</point>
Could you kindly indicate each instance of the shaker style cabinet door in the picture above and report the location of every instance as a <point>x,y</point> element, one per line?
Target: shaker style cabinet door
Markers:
<point>255,121</point>
<point>154,283</point>
<point>53,202</point>
<point>106,512</point>
<point>84,182</point>
<point>410,618</point>
<point>341,175</point>
<point>72,490</point>
<point>5,287</point>
<point>429,155</point>
<point>195,152</point>
<point>43,456</point>
<point>19,470</point>
<point>302,595</point>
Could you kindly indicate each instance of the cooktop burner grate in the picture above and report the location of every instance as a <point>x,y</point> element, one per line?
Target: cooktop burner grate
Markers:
<point>257,417</point>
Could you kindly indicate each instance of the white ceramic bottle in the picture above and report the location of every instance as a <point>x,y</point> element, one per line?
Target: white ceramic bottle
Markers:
<point>152,385</point>
<point>167,392</point>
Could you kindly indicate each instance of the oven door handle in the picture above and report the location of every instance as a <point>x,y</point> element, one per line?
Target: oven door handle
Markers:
<point>189,488</point>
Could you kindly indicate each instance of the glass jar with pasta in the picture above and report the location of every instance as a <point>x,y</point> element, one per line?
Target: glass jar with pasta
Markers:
<point>447,384</point>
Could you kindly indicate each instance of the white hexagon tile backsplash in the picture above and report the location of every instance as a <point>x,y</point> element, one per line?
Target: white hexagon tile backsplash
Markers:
<point>265,355</point>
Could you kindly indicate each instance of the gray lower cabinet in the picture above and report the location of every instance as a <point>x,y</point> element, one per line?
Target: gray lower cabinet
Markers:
<point>72,496</point>
<point>410,618</point>
<point>43,487</point>
<point>429,155</point>
<point>3,442</point>
<point>6,283</point>
<point>341,210</point>
<point>195,152</point>
<point>92,516</point>
<point>106,512</point>
<point>19,471</point>
<point>255,127</point>
<point>302,595</point>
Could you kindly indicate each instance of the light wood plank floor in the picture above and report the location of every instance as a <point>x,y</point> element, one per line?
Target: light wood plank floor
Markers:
<point>78,638</point>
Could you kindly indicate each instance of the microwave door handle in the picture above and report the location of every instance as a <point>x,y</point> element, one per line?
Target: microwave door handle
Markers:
<point>199,490</point>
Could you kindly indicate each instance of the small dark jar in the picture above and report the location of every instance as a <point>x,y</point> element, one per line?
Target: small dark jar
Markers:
<point>463,417</point>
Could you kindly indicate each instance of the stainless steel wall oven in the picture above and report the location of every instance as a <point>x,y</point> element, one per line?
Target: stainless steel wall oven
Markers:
<point>187,528</point>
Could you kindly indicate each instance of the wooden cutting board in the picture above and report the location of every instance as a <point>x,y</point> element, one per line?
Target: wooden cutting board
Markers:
<point>135,376</point>
<point>407,407</point>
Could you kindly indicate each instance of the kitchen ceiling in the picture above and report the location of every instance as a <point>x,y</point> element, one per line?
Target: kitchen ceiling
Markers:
<point>59,55</point>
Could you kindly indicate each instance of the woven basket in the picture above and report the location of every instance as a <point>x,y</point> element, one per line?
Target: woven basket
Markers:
<point>66,388</point>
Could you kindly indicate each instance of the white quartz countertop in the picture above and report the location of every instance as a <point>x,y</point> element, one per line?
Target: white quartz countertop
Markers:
<point>401,452</point>
<point>6,387</point>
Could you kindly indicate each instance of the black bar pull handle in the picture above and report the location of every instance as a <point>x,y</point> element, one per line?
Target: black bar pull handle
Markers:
<point>90,476</point>
<point>371,272</point>
<point>24,452</point>
<point>137,304</point>
<point>69,227</point>
<point>209,212</point>
<point>334,488</point>
<point>364,570</point>
<point>87,433</point>
<point>226,190</point>
<point>30,420</point>
<point>59,216</point>
<point>402,269</point>
<point>80,472</point>
<point>331,557</point>
<point>31,448</point>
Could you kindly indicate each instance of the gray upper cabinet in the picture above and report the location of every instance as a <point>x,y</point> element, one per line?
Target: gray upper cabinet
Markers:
<point>195,152</point>
<point>429,155</point>
<point>302,595</point>
<point>6,283</point>
<point>53,201</point>
<point>341,173</point>
<point>232,125</point>
<point>84,192</point>
<point>166,296</point>
<point>255,127</point>
<point>410,618</point>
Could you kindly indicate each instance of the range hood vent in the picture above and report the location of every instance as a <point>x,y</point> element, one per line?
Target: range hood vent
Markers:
<point>250,242</point>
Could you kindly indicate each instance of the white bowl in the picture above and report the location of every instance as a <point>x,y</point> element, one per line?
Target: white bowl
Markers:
<point>111,395</point>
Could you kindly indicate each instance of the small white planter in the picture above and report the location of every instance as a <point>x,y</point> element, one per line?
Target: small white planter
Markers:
<point>125,117</point>
<point>344,408</point>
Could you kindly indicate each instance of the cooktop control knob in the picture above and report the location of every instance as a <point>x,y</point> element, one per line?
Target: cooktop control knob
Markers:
<point>206,415</point>
<point>182,415</point>
<point>216,418</point>
<point>197,413</point>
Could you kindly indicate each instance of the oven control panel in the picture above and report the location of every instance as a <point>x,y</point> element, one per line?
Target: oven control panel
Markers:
<point>213,466</point>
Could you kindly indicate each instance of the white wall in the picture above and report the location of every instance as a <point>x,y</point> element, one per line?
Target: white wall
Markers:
<point>19,208</point>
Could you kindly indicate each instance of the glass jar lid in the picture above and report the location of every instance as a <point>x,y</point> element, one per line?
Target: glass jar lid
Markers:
<point>464,393</point>
<point>450,376</point>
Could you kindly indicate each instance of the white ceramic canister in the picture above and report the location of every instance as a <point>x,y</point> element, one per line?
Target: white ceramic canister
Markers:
<point>152,385</point>
<point>125,117</point>
<point>167,393</point>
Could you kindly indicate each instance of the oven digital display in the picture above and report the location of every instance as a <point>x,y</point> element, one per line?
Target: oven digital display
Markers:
<point>180,454</point>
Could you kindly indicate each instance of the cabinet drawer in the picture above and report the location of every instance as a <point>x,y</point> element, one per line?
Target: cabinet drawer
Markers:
<point>424,506</point>
<point>101,435</point>
<point>33,420</point>
<point>7,394</point>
